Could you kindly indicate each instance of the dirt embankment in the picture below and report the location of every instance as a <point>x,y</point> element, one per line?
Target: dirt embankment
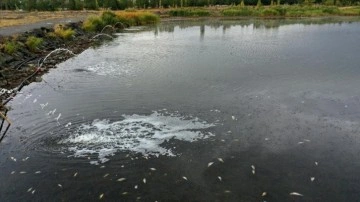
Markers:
<point>26,65</point>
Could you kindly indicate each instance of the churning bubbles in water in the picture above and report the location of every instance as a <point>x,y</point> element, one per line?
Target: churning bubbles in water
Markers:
<point>143,134</point>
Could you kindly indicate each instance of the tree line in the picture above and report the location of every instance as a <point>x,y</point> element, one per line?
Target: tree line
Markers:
<point>52,5</point>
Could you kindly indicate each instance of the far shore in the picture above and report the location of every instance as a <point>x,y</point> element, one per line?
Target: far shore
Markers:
<point>15,18</point>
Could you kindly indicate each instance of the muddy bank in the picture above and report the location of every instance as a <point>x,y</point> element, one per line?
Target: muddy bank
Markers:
<point>23,65</point>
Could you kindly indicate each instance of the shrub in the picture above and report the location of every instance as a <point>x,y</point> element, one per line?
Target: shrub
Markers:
<point>97,23</point>
<point>33,43</point>
<point>63,33</point>
<point>10,47</point>
<point>331,10</point>
<point>243,11</point>
<point>93,23</point>
<point>188,12</point>
<point>269,12</point>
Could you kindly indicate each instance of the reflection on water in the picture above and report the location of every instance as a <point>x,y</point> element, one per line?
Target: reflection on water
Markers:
<point>220,110</point>
<point>253,24</point>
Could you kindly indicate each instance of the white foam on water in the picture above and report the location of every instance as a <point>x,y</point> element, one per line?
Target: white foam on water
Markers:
<point>143,134</point>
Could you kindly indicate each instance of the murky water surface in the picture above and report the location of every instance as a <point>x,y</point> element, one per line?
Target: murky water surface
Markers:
<point>194,111</point>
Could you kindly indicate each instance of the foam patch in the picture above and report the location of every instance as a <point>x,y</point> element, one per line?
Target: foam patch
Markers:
<point>143,134</point>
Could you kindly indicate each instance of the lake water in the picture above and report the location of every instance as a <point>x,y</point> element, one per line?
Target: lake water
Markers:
<point>194,111</point>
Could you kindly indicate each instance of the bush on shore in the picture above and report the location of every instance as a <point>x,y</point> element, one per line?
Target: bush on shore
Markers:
<point>186,12</point>
<point>62,32</point>
<point>121,19</point>
<point>33,43</point>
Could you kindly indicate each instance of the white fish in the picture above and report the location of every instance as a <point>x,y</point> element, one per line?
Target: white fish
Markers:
<point>52,112</point>
<point>312,179</point>
<point>59,185</point>
<point>38,172</point>
<point>125,193</point>
<point>300,142</point>
<point>33,192</point>
<point>221,160</point>
<point>135,187</point>
<point>57,118</point>
<point>144,180</point>
<point>75,174</point>
<point>12,158</point>
<point>263,194</point>
<point>316,163</point>
<point>219,178</point>
<point>295,194</point>
<point>35,100</point>
<point>210,163</point>
<point>22,172</point>
<point>253,172</point>
<point>185,178</point>
<point>152,169</point>
<point>253,167</point>
<point>25,159</point>
<point>107,174</point>
<point>266,139</point>
<point>307,140</point>
<point>121,179</point>
<point>101,196</point>
<point>43,105</point>
<point>233,118</point>
<point>29,190</point>
<point>227,191</point>
<point>13,172</point>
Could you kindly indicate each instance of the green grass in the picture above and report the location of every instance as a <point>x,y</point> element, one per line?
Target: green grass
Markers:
<point>188,12</point>
<point>239,11</point>
<point>10,47</point>
<point>33,43</point>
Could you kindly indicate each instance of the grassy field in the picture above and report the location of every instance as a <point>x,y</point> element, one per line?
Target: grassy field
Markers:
<point>11,18</point>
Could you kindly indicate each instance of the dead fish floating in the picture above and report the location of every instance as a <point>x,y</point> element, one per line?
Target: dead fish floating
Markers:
<point>295,194</point>
<point>210,163</point>
<point>185,178</point>
<point>221,160</point>
<point>121,179</point>
<point>101,196</point>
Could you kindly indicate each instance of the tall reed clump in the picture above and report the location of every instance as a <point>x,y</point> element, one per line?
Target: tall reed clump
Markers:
<point>33,43</point>
<point>188,12</point>
<point>125,19</point>
<point>138,18</point>
<point>62,32</point>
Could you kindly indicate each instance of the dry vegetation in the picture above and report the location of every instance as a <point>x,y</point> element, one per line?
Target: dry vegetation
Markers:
<point>11,18</point>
